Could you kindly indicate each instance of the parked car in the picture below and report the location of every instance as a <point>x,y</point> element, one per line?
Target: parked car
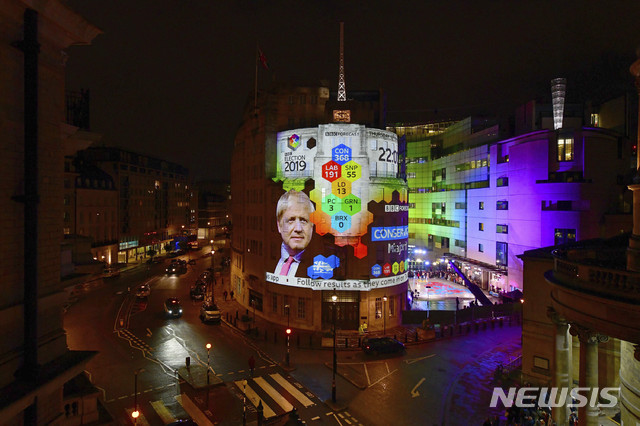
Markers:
<point>209,312</point>
<point>382,345</point>
<point>143,290</point>
<point>206,276</point>
<point>172,307</point>
<point>198,291</point>
<point>192,262</point>
<point>110,272</point>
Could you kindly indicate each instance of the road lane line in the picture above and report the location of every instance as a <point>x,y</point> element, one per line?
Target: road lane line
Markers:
<point>279,399</point>
<point>163,411</point>
<point>292,390</point>
<point>192,409</point>
<point>255,399</point>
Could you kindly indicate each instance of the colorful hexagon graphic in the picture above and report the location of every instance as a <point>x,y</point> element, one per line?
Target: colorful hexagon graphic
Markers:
<point>351,204</point>
<point>352,171</point>
<point>331,171</point>
<point>293,142</point>
<point>341,222</point>
<point>331,205</point>
<point>395,268</point>
<point>386,269</point>
<point>341,154</point>
<point>341,187</point>
<point>402,266</point>
<point>376,270</point>
<point>323,267</point>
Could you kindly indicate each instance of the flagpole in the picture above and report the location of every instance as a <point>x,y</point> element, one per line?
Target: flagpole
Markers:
<point>255,91</point>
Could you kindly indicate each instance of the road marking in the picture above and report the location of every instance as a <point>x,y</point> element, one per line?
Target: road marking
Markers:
<point>293,391</point>
<point>414,392</point>
<point>383,377</point>
<point>366,372</point>
<point>279,399</point>
<point>193,411</point>
<point>411,361</point>
<point>255,399</point>
<point>163,412</point>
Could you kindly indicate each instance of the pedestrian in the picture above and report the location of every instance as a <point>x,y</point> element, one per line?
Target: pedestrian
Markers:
<point>225,295</point>
<point>252,364</point>
<point>231,294</point>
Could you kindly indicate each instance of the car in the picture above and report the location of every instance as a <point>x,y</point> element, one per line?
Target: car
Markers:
<point>143,291</point>
<point>209,312</point>
<point>191,262</point>
<point>173,268</point>
<point>198,291</point>
<point>172,307</point>
<point>382,345</point>
<point>109,272</point>
<point>206,276</point>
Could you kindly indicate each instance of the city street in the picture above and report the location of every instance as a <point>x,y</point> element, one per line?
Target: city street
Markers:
<point>443,382</point>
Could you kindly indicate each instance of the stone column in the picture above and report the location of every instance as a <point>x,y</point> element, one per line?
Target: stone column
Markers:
<point>562,377</point>
<point>589,340</point>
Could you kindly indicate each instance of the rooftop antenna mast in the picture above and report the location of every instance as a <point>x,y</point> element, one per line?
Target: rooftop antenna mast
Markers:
<point>342,91</point>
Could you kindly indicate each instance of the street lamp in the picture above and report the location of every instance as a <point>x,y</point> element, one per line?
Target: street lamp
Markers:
<point>334,299</point>
<point>208,346</point>
<point>384,315</point>
<point>288,331</point>
<point>136,413</point>
<point>427,287</point>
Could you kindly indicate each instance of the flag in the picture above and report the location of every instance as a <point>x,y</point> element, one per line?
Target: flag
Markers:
<point>263,59</point>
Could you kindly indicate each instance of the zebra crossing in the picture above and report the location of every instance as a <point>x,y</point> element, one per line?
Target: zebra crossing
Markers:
<point>277,394</point>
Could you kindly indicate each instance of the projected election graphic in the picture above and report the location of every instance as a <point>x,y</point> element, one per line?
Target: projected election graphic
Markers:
<point>354,234</point>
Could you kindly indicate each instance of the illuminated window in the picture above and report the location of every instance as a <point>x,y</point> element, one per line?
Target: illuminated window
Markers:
<point>595,120</point>
<point>564,236</point>
<point>565,149</point>
<point>503,181</point>
<point>378,307</point>
<point>481,205</point>
<point>502,250</point>
<point>481,226</point>
<point>502,229</point>
<point>502,205</point>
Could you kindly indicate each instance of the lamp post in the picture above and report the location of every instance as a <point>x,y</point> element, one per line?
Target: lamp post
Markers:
<point>208,346</point>
<point>427,287</point>
<point>334,299</point>
<point>384,315</point>
<point>244,402</point>
<point>135,414</point>
<point>288,335</point>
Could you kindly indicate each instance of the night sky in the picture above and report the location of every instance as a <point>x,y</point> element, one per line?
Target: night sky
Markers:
<point>170,78</point>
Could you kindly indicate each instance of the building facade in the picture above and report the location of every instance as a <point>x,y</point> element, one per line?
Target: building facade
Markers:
<point>157,205</point>
<point>481,200</point>
<point>35,362</point>
<point>275,135</point>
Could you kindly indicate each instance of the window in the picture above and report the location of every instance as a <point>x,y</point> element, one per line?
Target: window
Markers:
<point>502,229</point>
<point>303,99</point>
<point>564,205</point>
<point>481,205</point>
<point>502,251</point>
<point>502,205</point>
<point>274,302</point>
<point>461,206</point>
<point>481,248</point>
<point>565,149</point>
<point>481,226</point>
<point>595,120</point>
<point>564,236</point>
<point>378,307</point>
<point>301,308</point>
<point>392,306</point>
<point>314,99</point>
<point>503,181</point>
